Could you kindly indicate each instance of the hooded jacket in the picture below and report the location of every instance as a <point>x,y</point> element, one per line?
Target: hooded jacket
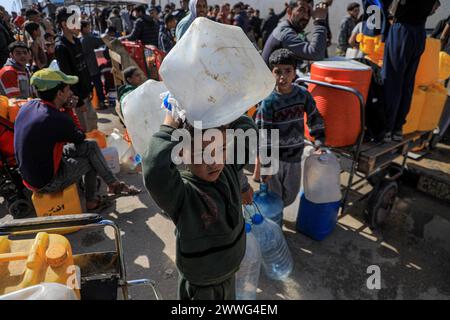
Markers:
<point>146,30</point>
<point>186,22</point>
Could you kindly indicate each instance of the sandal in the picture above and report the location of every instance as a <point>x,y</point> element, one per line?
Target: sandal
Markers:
<point>121,189</point>
<point>102,203</point>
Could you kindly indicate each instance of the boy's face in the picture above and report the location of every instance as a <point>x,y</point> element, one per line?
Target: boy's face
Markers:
<point>21,55</point>
<point>135,80</point>
<point>172,24</point>
<point>284,76</point>
<point>36,33</point>
<point>210,172</point>
<point>354,13</point>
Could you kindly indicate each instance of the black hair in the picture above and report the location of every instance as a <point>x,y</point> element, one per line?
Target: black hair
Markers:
<point>30,27</point>
<point>62,14</point>
<point>116,11</point>
<point>353,6</point>
<point>140,8</point>
<point>169,18</point>
<point>48,35</point>
<point>50,95</point>
<point>17,44</point>
<point>31,12</point>
<point>128,72</point>
<point>84,24</point>
<point>282,56</point>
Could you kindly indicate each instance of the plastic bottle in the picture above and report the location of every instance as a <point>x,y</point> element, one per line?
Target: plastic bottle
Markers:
<point>117,141</point>
<point>247,277</point>
<point>269,203</point>
<point>277,259</point>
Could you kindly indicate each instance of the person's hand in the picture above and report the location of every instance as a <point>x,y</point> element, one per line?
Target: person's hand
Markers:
<point>247,197</point>
<point>320,11</point>
<point>170,121</point>
<point>73,101</point>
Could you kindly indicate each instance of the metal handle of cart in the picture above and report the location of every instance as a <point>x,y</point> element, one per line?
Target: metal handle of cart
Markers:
<point>360,138</point>
<point>81,222</point>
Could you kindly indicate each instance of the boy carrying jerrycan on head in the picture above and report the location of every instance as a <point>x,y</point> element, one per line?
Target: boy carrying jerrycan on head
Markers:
<point>205,201</point>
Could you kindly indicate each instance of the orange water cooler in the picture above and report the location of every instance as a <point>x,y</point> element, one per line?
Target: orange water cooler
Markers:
<point>340,110</point>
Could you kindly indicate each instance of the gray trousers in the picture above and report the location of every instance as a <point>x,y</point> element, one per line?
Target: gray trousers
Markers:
<point>286,183</point>
<point>88,120</point>
<point>84,159</point>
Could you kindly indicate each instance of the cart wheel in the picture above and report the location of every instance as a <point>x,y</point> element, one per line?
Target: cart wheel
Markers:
<point>380,204</point>
<point>20,209</point>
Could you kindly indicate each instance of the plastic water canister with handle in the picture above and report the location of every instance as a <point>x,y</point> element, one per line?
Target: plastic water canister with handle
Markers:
<point>247,277</point>
<point>215,73</point>
<point>112,159</point>
<point>277,259</point>
<point>321,178</point>
<point>116,140</point>
<point>142,113</point>
<point>269,203</point>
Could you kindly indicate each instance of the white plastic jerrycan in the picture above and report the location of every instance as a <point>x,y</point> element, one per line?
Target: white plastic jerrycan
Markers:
<point>116,140</point>
<point>321,178</point>
<point>215,73</point>
<point>112,159</point>
<point>142,113</point>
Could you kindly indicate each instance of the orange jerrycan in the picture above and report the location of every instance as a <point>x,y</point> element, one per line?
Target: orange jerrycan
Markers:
<point>98,136</point>
<point>46,258</point>
<point>444,66</point>
<point>4,104</point>
<point>58,203</point>
<point>433,108</point>
<point>415,111</point>
<point>428,70</point>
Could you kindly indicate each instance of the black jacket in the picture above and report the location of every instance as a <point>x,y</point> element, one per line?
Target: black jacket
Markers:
<point>146,30</point>
<point>5,40</point>
<point>72,62</point>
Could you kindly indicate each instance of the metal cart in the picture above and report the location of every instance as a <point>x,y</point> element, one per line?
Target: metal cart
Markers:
<point>102,273</point>
<point>379,165</point>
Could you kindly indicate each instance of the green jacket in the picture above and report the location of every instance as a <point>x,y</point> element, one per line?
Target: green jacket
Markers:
<point>210,229</point>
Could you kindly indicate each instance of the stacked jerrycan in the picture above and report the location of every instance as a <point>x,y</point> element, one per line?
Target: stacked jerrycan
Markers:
<point>429,95</point>
<point>372,47</point>
<point>277,260</point>
<point>321,195</point>
<point>247,277</point>
<point>269,203</point>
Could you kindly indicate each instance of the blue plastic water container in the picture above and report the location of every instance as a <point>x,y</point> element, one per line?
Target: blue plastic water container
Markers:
<point>269,203</point>
<point>316,221</point>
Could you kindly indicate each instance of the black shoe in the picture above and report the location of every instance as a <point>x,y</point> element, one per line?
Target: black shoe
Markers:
<point>397,136</point>
<point>387,138</point>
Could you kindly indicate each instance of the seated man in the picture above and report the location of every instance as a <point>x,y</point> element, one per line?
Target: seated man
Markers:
<point>14,76</point>
<point>51,149</point>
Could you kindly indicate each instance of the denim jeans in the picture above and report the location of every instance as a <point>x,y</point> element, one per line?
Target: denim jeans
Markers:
<point>84,159</point>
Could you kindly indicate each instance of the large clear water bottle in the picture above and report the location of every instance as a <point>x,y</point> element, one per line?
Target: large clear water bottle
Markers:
<point>269,203</point>
<point>277,259</point>
<point>247,277</point>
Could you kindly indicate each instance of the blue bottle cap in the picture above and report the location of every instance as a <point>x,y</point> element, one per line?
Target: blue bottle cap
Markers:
<point>248,227</point>
<point>257,219</point>
<point>263,188</point>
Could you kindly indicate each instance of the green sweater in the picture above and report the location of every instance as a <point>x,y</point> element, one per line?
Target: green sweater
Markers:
<point>210,229</point>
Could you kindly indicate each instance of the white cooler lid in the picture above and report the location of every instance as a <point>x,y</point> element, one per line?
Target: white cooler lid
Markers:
<point>342,64</point>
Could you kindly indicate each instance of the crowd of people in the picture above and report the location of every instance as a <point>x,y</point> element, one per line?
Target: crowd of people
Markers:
<point>50,137</point>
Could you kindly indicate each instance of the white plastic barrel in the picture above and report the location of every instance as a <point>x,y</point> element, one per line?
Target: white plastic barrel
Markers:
<point>142,113</point>
<point>215,73</point>
<point>321,178</point>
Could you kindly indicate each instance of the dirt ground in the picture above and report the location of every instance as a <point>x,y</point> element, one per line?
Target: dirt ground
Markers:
<point>412,250</point>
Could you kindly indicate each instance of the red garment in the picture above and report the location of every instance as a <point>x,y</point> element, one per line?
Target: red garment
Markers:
<point>10,79</point>
<point>19,21</point>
